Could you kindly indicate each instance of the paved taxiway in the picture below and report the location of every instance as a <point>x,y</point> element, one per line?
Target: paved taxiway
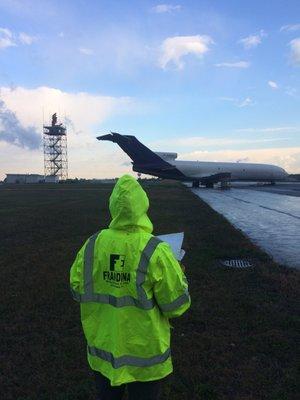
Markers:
<point>269,215</point>
<point>288,189</point>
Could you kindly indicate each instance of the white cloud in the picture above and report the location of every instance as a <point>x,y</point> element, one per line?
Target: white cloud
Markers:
<point>6,38</point>
<point>6,42</point>
<point>86,51</point>
<point>273,84</point>
<point>237,64</point>
<point>87,156</point>
<point>174,48</point>
<point>226,98</point>
<point>99,160</point>
<point>246,102</point>
<point>86,111</point>
<point>12,131</point>
<point>202,141</point>
<point>165,8</point>
<point>238,102</point>
<point>26,39</point>
<point>6,32</point>
<point>295,51</point>
<point>290,28</point>
<point>252,41</point>
<point>270,129</point>
<point>286,157</point>
<point>293,92</point>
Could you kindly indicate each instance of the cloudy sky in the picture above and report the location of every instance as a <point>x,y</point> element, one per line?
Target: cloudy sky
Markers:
<point>211,80</point>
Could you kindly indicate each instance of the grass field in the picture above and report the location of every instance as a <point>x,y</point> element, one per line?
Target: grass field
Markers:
<point>237,342</point>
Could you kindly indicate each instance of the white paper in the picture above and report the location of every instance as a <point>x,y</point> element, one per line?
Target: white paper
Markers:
<point>175,241</point>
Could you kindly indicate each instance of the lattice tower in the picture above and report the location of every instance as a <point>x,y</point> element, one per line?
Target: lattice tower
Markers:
<point>55,149</point>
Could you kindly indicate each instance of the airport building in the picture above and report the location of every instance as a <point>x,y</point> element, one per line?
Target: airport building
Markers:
<point>30,178</point>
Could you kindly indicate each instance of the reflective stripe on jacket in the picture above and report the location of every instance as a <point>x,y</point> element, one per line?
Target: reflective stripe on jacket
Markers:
<point>129,284</point>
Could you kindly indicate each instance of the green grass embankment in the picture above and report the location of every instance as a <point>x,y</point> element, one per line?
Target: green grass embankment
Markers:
<point>237,342</point>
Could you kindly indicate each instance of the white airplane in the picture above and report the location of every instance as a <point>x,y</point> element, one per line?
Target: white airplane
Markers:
<point>165,165</point>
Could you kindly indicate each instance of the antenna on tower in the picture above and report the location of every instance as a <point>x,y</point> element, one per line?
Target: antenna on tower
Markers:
<point>55,149</point>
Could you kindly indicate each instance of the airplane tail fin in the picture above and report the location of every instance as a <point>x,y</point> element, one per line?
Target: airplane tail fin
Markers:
<point>139,153</point>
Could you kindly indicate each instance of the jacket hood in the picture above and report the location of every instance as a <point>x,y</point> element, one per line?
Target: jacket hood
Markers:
<point>128,206</point>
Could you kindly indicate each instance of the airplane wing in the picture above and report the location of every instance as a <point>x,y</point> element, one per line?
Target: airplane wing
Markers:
<point>215,178</point>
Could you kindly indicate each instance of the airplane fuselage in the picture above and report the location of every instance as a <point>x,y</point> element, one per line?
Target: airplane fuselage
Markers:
<point>239,171</point>
<point>218,171</point>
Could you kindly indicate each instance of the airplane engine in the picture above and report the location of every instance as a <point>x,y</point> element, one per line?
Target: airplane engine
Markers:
<point>167,156</point>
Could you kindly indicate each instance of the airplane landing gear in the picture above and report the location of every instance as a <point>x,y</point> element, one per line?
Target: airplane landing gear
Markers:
<point>225,185</point>
<point>195,184</point>
<point>209,185</point>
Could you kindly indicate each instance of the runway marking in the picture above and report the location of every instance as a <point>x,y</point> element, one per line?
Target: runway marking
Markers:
<point>266,208</point>
<point>281,212</point>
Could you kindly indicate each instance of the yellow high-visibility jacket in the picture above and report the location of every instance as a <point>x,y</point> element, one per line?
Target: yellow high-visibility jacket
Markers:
<point>129,284</point>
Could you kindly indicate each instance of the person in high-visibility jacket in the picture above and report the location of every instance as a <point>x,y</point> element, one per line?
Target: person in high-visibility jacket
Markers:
<point>129,284</point>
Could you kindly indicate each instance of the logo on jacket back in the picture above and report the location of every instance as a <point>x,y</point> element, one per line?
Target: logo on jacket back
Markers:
<point>117,262</point>
<point>116,275</point>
